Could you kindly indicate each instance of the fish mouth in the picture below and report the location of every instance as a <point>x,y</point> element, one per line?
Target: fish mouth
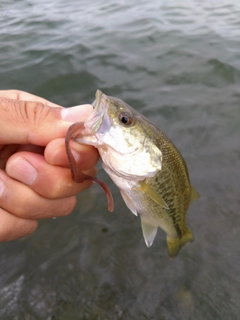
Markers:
<point>97,102</point>
<point>97,124</point>
<point>99,121</point>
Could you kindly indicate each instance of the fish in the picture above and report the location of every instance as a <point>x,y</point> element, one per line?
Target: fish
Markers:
<point>145,165</point>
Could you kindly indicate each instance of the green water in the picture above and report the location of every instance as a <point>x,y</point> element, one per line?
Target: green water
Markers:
<point>179,64</point>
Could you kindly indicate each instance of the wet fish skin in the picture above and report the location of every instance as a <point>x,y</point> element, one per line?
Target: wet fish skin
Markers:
<point>149,171</point>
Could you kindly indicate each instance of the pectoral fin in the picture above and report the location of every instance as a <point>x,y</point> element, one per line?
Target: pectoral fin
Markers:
<point>152,194</point>
<point>149,232</point>
<point>194,194</point>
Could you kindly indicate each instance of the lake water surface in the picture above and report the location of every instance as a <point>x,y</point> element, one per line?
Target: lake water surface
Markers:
<point>177,62</point>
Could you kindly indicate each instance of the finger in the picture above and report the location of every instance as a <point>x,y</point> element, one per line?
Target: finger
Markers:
<point>12,227</point>
<point>5,153</point>
<point>52,182</point>
<point>23,202</point>
<point>8,150</point>
<point>25,96</point>
<point>86,156</point>
<point>31,122</point>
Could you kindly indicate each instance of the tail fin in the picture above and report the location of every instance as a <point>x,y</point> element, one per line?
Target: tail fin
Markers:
<point>175,244</point>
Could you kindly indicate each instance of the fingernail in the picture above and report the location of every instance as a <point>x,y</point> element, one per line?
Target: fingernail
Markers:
<point>21,170</point>
<point>78,113</point>
<point>75,155</point>
<point>2,187</point>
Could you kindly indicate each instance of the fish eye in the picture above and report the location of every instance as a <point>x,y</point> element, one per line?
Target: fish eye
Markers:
<point>126,118</point>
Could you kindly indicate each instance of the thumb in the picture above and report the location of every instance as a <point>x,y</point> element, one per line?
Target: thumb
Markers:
<point>32,122</point>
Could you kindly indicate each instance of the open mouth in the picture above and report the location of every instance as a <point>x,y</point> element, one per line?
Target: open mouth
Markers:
<point>95,120</point>
<point>97,102</point>
<point>99,121</point>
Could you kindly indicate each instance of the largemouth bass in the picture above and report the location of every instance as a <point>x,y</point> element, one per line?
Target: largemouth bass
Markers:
<point>149,171</point>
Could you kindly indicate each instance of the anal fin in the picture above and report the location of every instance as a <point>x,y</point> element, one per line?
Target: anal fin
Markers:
<point>149,232</point>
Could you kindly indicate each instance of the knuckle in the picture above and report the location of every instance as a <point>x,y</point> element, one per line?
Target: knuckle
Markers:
<point>33,113</point>
<point>59,187</point>
<point>69,205</point>
<point>53,191</point>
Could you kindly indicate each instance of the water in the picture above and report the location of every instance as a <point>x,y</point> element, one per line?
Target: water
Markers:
<point>179,64</point>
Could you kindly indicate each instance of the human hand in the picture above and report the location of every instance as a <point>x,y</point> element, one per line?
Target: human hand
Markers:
<point>35,181</point>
